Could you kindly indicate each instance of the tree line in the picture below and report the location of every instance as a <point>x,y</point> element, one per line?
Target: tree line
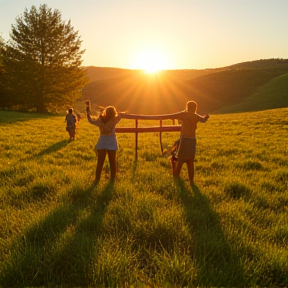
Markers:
<point>40,65</point>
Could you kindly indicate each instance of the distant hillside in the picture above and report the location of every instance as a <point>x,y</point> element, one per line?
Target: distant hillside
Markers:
<point>138,93</point>
<point>260,64</point>
<point>168,91</point>
<point>100,73</point>
<point>231,86</point>
<point>274,94</point>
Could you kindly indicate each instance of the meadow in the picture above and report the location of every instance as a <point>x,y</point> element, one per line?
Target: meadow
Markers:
<point>230,229</point>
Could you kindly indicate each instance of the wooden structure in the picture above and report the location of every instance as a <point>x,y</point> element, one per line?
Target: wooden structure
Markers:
<point>160,128</point>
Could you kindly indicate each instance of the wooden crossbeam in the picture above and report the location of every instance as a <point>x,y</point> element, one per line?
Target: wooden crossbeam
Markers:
<point>173,128</point>
<point>151,117</point>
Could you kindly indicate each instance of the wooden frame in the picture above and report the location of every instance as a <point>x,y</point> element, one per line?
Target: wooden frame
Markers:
<point>160,128</point>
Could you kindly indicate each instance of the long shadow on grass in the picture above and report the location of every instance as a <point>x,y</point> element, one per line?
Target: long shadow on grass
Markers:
<point>53,148</point>
<point>216,263</point>
<point>57,250</point>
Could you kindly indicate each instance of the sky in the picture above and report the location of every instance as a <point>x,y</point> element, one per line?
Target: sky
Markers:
<point>168,34</point>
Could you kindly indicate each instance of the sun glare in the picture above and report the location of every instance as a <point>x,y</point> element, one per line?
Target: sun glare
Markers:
<point>151,61</point>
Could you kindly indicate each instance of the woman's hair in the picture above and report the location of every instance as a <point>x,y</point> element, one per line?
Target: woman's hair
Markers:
<point>71,110</point>
<point>191,106</point>
<point>108,113</point>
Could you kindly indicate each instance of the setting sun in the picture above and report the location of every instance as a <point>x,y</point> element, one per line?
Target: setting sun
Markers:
<point>151,61</point>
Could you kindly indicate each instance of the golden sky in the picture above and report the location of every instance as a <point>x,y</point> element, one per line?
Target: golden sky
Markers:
<point>166,34</point>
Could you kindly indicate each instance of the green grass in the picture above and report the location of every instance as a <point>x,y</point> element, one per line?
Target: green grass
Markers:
<point>230,229</point>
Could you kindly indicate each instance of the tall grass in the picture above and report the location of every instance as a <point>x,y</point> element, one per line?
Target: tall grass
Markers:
<point>229,229</point>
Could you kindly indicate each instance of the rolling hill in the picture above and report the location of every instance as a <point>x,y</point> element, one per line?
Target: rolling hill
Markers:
<point>274,94</point>
<point>168,91</point>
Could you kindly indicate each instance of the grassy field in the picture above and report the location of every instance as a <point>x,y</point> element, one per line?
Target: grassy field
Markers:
<point>229,229</point>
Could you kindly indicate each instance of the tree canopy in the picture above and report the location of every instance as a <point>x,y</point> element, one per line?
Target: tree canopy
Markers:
<point>42,62</point>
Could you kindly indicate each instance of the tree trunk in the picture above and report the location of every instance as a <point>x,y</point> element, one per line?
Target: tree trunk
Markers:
<point>40,105</point>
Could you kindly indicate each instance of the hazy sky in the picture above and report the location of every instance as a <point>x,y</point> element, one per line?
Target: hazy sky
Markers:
<point>173,34</point>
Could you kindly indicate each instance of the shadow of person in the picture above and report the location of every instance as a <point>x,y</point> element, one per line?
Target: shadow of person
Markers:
<point>53,148</point>
<point>57,248</point>
<point>216,263</point>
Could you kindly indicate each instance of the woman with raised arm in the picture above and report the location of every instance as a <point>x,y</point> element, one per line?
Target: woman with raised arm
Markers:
<point>107,142</point>
<point>187,146</point>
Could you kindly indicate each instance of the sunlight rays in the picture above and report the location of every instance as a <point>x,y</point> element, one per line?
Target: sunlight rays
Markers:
<point>151,61</point>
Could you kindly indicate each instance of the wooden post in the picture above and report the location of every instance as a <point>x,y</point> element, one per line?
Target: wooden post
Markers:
<point>160,137</point>
<point>136,137</point>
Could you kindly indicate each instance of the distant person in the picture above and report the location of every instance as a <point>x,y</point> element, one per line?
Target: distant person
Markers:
<point>79,116</point>
<point>187,147</point>
<point>107,142</point>
<point>71,122</point>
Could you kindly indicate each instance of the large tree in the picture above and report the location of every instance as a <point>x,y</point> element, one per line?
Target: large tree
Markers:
<point>1,64</point>
<point>42,61</point>
<point>3,95</point>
